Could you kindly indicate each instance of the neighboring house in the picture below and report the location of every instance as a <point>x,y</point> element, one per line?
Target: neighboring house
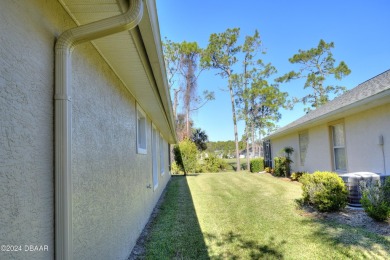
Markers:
<point>349,134</point>
<point>84,128</point>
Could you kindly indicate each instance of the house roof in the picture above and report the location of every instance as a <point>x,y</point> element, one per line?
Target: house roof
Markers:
<point>369,94</point>
<point>135,56</point>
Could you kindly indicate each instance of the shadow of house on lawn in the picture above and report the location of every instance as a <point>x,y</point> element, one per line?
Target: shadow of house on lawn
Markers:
<point>233,246</point>
<point>175,232</point>
<point>341,237</point>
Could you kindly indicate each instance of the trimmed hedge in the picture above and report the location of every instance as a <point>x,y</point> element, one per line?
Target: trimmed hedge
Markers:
<point>256,165</point>
<point>326,191</point>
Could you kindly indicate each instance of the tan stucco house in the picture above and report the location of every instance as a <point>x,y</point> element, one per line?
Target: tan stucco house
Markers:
<point>349,134</point>
<point>85,125</point>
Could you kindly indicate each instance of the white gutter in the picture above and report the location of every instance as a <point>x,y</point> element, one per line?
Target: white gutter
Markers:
<point>63,115</point>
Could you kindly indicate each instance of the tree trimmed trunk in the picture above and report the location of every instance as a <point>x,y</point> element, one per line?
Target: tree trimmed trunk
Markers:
<point>235,125</point>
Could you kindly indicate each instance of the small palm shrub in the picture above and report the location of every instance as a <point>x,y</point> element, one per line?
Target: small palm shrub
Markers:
<point>326,191</point>
<point>280,166</point>
<point>376,199</point>
<point>288,151</point>
<point>256,165</point>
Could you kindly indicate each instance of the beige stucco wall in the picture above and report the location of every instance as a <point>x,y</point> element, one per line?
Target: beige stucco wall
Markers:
<point>362,138</point>
<point>27,35</point>
<point>363,152</point>
<point>318,155</point>
<point>111,200</point>
<point>278,144</point>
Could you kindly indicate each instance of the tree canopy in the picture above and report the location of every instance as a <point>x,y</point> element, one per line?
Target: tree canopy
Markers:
<point>221,54</point>
<point>200,138</point>
<point>316,65</point>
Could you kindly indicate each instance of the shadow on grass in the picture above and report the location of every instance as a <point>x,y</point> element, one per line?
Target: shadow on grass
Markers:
<point>175,232</point>
<point>234,246</point>
<point>234,166</point>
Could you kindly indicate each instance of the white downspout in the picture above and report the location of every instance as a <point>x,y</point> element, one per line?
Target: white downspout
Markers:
<point>63,115</point>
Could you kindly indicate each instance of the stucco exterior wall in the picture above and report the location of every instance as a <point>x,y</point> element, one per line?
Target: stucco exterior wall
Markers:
<point>363,151</point>
<point>318,155</point>
<point>278,144</point>
<point>111,201</point>
<point>362,139</point>
<point>27,35</point>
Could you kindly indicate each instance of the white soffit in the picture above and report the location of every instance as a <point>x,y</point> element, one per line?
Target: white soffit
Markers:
<point>129,63</point>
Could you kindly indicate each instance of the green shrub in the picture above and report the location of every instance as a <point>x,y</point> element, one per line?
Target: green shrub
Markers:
<point>175,169</point>
<point>326,191</point>
<point>256,165</point>
<point>295,176</point>
<point>185,154</point>
<point>213,164</point>
<point>376,199</point>
<point>280,167</point>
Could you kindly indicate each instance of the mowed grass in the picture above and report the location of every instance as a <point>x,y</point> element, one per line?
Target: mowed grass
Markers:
<point>250,216</point>
<point>232,164</point>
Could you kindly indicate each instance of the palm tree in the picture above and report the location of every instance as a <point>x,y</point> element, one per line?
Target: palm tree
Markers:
<point>200,138</point>
<point>288,151</point>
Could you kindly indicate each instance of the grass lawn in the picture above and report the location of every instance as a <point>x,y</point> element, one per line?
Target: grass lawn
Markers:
<point>232,164</point>
<point>250,216</point>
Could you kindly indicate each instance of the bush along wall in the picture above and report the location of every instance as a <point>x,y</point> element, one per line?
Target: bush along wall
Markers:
<point>376,199</point>
<point>257,165</point>
<point>280,167</point>
<point>295,176</point>
<point>326,191</point>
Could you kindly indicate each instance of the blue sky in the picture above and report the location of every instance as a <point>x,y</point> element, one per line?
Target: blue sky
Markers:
<point>360,30</point>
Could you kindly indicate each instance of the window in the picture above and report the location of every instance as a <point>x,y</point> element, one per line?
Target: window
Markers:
<point>303,143</point>
<point>162,155</point>
<point>338,143</point>
<point>141,131</point>
<point>154,157</point>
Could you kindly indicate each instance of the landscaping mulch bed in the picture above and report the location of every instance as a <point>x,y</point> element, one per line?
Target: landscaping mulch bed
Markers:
<point>355,217</point>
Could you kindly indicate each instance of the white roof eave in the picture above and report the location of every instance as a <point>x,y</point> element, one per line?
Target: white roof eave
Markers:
<point>134,56</point>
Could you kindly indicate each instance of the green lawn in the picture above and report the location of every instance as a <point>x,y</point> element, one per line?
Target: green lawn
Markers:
<point>249,216</point>
<point>232,164</point>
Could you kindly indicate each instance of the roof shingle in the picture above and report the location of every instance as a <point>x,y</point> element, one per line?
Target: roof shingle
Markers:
<point>369,88</point>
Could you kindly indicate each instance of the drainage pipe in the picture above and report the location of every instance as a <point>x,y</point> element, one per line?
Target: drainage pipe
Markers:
<point>63,115</point>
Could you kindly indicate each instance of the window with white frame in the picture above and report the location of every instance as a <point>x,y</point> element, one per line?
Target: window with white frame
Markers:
<point>162,155</point>
<point>141,131</point>
<point>154,157</point>
<point>338,143</point>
